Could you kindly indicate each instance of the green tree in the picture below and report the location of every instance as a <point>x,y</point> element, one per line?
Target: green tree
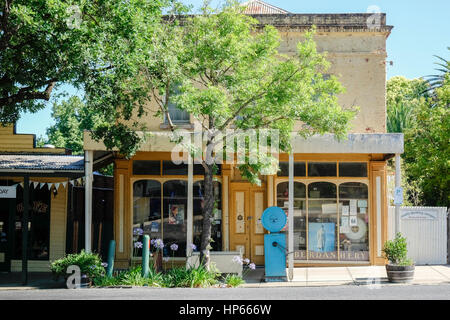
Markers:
<point>229,74</point>
<point>72,117</point>
<point>44,43</point>
<point>427,151</point>
<point>402,97</point>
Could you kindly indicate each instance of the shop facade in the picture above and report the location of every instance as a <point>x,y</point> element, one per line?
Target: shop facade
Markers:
<point>334,192</point>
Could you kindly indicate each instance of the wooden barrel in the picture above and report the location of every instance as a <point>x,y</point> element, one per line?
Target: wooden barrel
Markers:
<point>400,274</point>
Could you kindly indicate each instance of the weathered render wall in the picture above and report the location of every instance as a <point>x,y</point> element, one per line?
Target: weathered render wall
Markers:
<point>357,55</point>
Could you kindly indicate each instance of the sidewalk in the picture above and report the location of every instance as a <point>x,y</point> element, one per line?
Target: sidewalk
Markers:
<point>335,276</point>
<point>36,280</point>
<point>303,277</point>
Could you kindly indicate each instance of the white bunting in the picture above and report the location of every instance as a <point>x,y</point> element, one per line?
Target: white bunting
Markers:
<point>35,184</point>
<point>56,186</point>
<point>64,184</point>
<point>42,184</point>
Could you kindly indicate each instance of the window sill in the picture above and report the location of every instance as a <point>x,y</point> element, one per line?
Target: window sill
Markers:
<point>186,125</point>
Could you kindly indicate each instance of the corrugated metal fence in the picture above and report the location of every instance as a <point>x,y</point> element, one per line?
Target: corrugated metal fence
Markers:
<point>425,229</point>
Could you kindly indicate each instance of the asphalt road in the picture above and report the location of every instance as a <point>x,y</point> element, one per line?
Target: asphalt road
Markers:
<point>388,292</point>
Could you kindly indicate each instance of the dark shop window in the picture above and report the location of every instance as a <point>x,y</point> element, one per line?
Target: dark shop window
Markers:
<point>322,169</point>
<point>353,169</point>
<point>147,167</point>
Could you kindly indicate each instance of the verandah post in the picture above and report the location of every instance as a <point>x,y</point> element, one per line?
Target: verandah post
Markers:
<point>145,255</point>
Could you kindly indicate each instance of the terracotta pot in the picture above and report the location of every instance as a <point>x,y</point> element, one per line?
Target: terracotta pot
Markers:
<point>400,274</point>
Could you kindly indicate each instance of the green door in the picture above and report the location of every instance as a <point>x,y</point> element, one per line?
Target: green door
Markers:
<point>6,233</point>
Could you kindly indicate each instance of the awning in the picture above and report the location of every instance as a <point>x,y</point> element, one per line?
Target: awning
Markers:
<point>42,165</point>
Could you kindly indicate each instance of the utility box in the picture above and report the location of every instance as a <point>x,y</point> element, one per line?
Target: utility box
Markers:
<point>273,220</point>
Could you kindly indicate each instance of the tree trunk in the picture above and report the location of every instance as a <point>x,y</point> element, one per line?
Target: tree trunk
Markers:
<point>207,216</point>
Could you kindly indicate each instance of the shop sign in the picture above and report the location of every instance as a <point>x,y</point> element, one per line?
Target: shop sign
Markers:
<point>8,192</point>
<point>419,215</point>
<point>332,256</point>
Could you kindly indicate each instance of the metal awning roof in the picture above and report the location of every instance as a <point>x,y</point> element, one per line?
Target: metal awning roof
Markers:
<point>43,165</point>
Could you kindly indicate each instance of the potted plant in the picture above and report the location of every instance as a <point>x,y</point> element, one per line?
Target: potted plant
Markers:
<point>90,265</point>
<point>400,268</point>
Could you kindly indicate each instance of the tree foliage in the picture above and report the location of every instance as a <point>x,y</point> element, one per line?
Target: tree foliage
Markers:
<point>427,150</point>
<point>228,73</point>
<point>44,43</point>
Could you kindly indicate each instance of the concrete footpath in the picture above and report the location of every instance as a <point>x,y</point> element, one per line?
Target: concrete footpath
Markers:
<point>336,276</point>
<point>303,277</point>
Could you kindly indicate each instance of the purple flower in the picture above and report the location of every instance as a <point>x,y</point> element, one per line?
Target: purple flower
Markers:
<point>174,247</point>
<point>193,247</point>
<point>237,259</point>
<point>104,265</point>
<point>252,266</point>
<point>158,243</point>
<point>246,261</point>
<point>138,244</point>
<point>138,231</point>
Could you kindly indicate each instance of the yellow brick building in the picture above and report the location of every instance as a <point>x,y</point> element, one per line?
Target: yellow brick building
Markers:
<point>338,185</point>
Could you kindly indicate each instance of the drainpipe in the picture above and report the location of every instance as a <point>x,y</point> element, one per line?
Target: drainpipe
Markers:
<point>291,218</point>
<point>25,219</point>
<point>88,171</point>
<point>190,215</point>
<point>397,185</point>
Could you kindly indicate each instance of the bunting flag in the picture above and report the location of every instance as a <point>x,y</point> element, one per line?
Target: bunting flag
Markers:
<point>74,182</point>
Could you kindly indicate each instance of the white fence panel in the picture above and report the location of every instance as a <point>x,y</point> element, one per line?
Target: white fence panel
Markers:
<point>425,229</point>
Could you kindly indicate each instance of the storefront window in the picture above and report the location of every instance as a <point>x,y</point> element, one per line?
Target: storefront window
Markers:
<point>216,222</point>
<point>322,221</point>
<point>146,211</point>
<point>299,169</point>
<point>174,217</point>
<point>353,169</point>
<point>299,214</point>
<point>322,169</point>
<point>170,222</point>
<point>38,224</point>
<point>354,222</point>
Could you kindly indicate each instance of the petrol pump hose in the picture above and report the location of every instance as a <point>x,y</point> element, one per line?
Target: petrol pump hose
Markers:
<point>276,244</point>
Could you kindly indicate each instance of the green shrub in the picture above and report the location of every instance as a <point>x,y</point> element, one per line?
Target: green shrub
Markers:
<point>396,252</point>
<point>89,264</point>
<point>233,280</point>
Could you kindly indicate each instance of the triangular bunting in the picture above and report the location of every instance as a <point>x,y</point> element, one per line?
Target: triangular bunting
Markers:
<point>57,186</point>
<point>64,184</point>
<point>35,184</point>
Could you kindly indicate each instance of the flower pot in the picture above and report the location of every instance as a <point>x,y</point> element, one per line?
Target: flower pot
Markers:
<point>85,282</point>
<point>400,274</point>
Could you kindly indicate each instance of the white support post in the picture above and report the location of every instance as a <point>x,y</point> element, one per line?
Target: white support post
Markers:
<point>291,218</point>
<point>190,214</point>
<point>397,185</point>
<point>88,171</point>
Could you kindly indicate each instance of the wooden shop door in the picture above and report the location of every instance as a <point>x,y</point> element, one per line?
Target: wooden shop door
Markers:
<point>246,231</point>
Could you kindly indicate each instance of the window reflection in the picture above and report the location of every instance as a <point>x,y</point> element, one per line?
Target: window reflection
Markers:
<point>354,220</point>
<point>170,223</point>
<point>322,221</point>
<point>299,214</point>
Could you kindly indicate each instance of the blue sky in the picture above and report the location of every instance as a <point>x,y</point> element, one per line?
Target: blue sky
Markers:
<point>421,30</point>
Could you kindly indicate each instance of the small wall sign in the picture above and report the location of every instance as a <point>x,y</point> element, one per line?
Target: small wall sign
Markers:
<point>398,196</point>
<point>8,192</point>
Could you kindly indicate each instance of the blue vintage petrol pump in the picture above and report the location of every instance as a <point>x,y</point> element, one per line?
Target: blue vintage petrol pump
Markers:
<point>273,220</point>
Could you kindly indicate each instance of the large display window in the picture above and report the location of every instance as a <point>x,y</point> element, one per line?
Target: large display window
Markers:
<point>160,211</point>
<point>331,218</point>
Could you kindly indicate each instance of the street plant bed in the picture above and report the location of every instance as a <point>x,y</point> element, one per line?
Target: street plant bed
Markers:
<point>93,274</point>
